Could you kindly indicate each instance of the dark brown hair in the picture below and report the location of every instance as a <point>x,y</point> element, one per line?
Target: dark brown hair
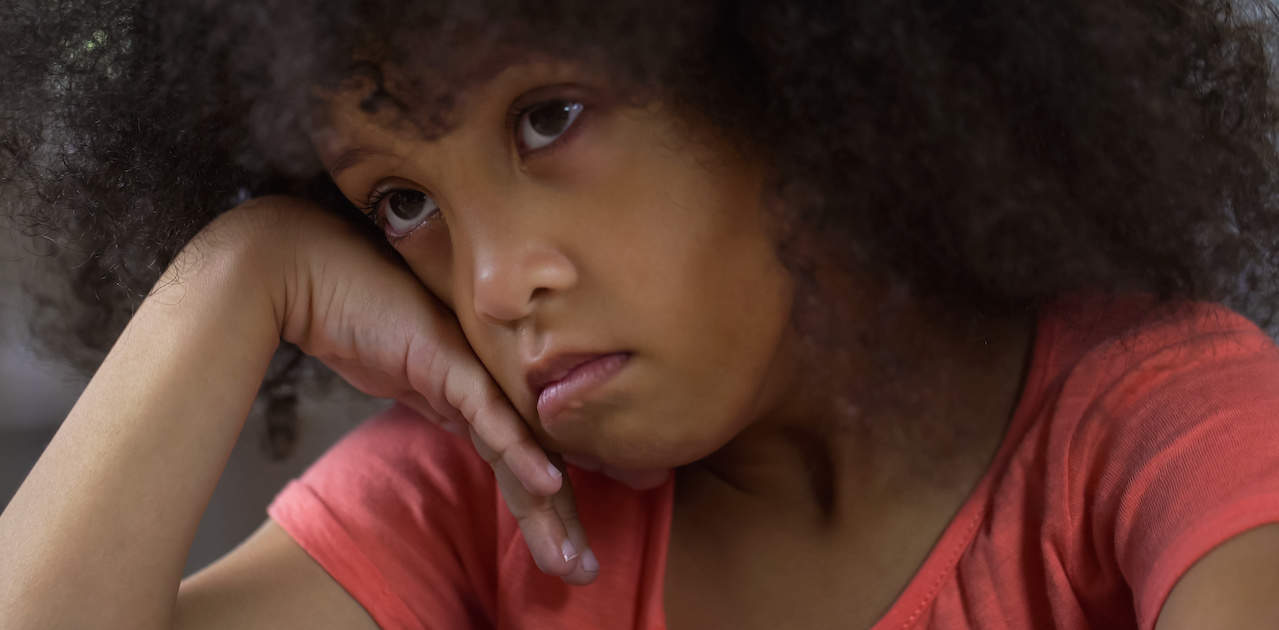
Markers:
<point>992,154</point>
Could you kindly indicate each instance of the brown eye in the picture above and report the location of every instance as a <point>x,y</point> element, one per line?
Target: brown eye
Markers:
<point>404,210</point>
<point>542,124</point>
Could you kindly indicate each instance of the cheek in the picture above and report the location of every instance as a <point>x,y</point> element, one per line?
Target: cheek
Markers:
<point>432,259</point>
<point>707,307</point>
<point>707,350</point>
<point>693,280</point>
<point>734,316</point>
<point>429,255</point>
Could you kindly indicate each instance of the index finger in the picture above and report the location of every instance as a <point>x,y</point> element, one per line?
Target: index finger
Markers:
<point>496,423</point>
<point>466,386</point>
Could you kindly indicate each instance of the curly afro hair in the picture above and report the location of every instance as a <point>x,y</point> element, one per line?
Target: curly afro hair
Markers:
<point>988,153</point>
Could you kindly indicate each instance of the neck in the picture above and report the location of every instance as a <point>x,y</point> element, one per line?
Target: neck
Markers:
<point>840,444</point>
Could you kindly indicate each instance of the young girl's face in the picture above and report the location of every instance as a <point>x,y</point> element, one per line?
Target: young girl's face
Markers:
<point>556,221</point>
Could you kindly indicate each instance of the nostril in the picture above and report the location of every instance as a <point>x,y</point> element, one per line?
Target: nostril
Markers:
<point>500,297</point>
<point>511,281</point>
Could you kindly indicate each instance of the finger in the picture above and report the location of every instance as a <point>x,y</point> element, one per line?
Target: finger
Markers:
<point>495,424</point>
<point>454,423</point>
<point>564,503</point>
<point>448,374</point>
<point>540,524</point>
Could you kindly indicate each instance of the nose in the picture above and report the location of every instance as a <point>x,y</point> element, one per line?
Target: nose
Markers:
<point>510,279</point>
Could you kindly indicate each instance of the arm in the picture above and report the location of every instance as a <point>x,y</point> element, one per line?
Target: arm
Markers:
<point>97,534</point>
<point>268,582</point>
<point>1235,585</point>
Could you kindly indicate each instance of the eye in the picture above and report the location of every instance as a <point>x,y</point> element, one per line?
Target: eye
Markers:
<point>542,124</point>
<point>403,210</point>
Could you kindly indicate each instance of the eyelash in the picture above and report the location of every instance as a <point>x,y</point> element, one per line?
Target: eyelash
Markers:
<point>518,111</point>
<point>513,117</point>
<point>370,211</point>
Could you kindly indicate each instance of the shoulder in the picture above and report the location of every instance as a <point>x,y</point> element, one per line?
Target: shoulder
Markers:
<point>1165,421</point>
<point>404,516</point>
<point>1119,379</point>
<point>398,451</point>
<point>1144,387</point>
<point>1109,337</point>
<point>396,478</point>
<point>1131,365</point>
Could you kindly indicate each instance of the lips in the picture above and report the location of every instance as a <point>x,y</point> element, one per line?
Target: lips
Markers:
<point>555,368</point>
<point>563,379</point>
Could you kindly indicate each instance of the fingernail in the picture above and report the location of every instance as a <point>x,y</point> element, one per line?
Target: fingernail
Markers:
<point>554,472</point>
<point>589,563</point>
<point>568,550</point>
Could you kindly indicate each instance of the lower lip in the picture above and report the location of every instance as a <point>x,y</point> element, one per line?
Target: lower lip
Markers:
<point>564,393</point>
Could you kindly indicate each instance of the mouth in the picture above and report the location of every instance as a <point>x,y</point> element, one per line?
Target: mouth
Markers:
<point>563,381</point>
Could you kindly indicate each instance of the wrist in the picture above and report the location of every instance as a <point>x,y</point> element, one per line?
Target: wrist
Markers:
<point>230,273</point>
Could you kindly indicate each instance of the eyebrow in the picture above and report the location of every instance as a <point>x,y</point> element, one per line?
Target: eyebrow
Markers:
<point>351,157</point>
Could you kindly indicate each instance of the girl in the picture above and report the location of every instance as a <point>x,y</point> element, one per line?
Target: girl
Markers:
<point>881,315</point>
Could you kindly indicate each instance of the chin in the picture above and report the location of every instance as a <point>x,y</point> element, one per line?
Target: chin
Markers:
<point>628,436</point>
<point>644,448</point>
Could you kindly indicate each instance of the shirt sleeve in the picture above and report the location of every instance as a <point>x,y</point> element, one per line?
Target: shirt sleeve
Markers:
<point>402,515</point>
<point>1185,451</point>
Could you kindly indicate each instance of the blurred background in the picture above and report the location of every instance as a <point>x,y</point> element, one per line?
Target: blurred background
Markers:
<point>37,391</point>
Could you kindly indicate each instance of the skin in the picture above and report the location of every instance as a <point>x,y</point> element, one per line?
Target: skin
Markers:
<point>797,511</point>
<point>572,247</point>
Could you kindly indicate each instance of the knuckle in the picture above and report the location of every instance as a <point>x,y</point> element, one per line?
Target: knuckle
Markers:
<point>567,511</point>
<point>427,366</point>
<point>492,457</point>
<point>534,513</point>
<point>481,407</point>
<point>487,414</point>
<point>565,505</point>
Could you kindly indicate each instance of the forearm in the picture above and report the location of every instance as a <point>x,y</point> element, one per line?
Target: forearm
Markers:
<point>98,533</point>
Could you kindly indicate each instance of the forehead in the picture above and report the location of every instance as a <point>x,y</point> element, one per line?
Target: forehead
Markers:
<point>394,105</point>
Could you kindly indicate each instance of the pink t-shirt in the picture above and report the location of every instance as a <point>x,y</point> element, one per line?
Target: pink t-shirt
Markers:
<point>1137,446</point>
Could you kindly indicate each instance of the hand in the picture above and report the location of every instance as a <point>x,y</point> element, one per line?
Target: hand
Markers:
<point>369,319</point>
